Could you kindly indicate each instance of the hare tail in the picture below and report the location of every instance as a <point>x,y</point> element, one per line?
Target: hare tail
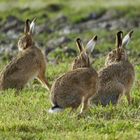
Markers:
<point>55,109</point>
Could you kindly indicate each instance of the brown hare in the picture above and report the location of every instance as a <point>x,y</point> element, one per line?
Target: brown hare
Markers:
<point>77,86</point>
<point>118,76</point>
<point>28,64</point>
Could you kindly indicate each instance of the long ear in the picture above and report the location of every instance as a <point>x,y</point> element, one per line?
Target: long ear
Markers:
<point>119,44</point>
<point>27,26</point>
<point>119,39</point>
<point>32,26</point>
<point>91,44</point>
<point>79,45</point>
<point>127,39</point>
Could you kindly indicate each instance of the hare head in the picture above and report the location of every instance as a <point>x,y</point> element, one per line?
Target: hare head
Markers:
<point>26,40</point>
<point>83,59</point>
<point>119,54</point>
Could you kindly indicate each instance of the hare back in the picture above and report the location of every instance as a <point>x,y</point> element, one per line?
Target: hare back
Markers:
<point>122,71</point>
<point>21,69</point>
<point>80,76</point>
<point>68,90</point>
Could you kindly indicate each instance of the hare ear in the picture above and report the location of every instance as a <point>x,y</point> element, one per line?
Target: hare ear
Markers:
<point>119,44</point>
<point>27,26</point>
<point>32,26</point>
<point>119,39</point>
<point>91,44</point>
<point>127,39</point>
<point>79,44</point>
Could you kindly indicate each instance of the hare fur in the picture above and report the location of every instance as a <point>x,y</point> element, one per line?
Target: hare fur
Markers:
<point>28,64</point>
<point>77,86</point>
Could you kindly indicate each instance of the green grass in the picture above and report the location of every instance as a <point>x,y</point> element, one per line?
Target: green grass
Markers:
<point>25,116</point>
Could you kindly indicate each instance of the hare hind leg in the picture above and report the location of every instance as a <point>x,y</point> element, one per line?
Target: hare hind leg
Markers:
<point>128,96</point>
<point>41,77</point>
<point>85,105</point>
<point>84,108</point>
<point>117,92</point>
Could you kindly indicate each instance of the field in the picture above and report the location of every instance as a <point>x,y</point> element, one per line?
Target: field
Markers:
<point>59,22</point>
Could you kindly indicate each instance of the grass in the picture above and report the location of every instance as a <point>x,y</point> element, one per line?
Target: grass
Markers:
<point>25,116</point>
